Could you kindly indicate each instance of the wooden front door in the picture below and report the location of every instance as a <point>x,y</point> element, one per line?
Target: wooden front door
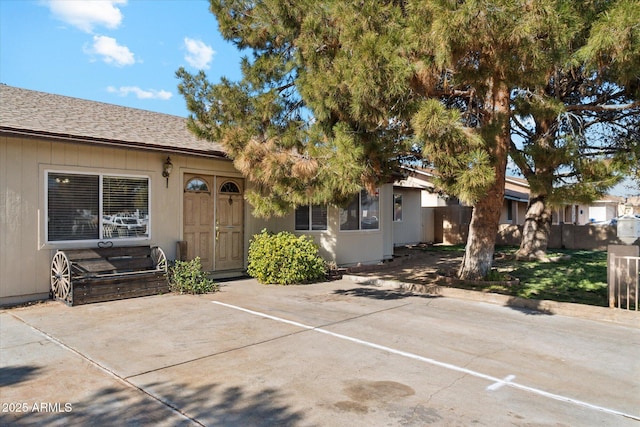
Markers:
<point>229,247</point>
<point>198,213</point>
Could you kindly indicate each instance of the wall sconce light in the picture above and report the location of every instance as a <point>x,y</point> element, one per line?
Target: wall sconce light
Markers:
<point>167,168</point>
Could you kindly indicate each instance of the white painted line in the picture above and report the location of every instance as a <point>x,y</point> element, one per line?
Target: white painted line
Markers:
<point>499,384</point>
<point>434,362</point>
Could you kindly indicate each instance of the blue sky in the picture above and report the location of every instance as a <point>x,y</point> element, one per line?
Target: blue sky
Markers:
<point>115,51</point>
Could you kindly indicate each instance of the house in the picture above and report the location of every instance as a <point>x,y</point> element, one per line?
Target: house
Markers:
<point>444,219</point>
<point>77,173</point>
<point>631,206</point>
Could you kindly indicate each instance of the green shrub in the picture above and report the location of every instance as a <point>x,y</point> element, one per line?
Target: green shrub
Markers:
<point>284,259</point>
<point>187,277</point>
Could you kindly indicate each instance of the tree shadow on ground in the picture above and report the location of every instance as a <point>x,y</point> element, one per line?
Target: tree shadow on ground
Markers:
<point>380,294</point>
<point>528,307</point>
<point>170,404</point>
<point>10,375</point>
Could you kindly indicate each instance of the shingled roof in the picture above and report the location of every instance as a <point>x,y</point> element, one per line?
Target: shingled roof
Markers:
<point>37,114</point>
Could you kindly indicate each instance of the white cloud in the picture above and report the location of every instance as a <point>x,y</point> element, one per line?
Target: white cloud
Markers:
<point>86,15</point>
<point>199,55</point>
<point>111,51</point>
<point>141,93</point>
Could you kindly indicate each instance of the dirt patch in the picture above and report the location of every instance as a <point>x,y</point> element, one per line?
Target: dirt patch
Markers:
<point>371,393</point>
<point>415,265</point>
<point>377,390</point>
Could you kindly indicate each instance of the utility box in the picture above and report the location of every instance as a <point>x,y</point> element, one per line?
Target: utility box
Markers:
<point>628,229</point>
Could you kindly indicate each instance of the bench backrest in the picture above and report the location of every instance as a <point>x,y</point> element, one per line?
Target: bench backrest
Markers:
<point>99,261</point>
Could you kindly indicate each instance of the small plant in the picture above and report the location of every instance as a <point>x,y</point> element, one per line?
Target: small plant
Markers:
<point>284,259</point>
<point>187,277</point>
<point>496,276</point>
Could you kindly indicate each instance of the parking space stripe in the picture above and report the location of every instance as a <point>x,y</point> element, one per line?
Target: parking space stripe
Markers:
<point>494,380</point>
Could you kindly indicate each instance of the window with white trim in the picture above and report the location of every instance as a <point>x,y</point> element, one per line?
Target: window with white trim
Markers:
<point>397,207</point>
<point>312,218</point>
<point>96,207</point>
<point>362,213</point>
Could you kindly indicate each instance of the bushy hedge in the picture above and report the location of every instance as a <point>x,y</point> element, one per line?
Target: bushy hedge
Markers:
<point>284,259</point>
<point>187,277</point>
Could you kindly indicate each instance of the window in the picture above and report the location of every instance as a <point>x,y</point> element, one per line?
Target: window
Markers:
<point>197,185</point>
<point>361,213</point>
<point>509,210</point>
<point>312,217</point>
<point>94,207</point>
<point>397,207</point>
<point>229,187</point>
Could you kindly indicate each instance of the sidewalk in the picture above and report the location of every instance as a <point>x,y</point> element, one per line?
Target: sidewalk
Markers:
<point>582,311</point>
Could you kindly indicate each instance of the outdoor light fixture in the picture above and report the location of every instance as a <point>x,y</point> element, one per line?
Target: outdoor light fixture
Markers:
<point>167,167</point>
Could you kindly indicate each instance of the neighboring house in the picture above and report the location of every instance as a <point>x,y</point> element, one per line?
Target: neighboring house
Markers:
<point>74,173</point>
<point>516,200</point>
<point>413,200</point>
<point>431,217</point>
<point>601,211</point>
<point>631,206</point>
<point>441,219</point>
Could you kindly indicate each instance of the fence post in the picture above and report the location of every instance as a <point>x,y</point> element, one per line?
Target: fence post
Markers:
<point>618,251</point>
<point>611,279</point>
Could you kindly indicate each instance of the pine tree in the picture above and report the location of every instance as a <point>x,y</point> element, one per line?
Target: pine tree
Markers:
<point>579,139</point>
<point>336,94</point>
<point>580,133</point>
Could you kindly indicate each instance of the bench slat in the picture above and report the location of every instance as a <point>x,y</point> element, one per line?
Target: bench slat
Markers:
<point>107,253</point>
<point>119,265</point>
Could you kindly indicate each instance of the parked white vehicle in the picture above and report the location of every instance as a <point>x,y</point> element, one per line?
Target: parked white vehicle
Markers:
<point>123,226</point>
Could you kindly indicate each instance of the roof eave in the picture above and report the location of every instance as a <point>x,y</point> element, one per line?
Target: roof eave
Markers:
<point>26,133</point>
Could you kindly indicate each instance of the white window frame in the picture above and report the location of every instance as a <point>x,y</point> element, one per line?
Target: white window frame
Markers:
<point>101,234</point>
<point>360,229</point>
<point>395,218</point>
<point>310,224</point>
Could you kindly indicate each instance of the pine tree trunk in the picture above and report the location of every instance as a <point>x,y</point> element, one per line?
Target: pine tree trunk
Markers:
<point>478,256</point>
<point>483,230</point>
<point>536,229</point>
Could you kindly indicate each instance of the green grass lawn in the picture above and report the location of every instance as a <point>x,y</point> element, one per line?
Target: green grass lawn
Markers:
<point>580,279</point>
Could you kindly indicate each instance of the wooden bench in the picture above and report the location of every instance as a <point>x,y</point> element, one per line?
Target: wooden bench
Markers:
<point>82,276</point>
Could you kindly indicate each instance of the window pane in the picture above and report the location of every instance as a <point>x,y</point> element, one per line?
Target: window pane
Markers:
<point>125,207</point>
<point>350,216</point>
<point>72,206</point>
<point>302,217</point>
<point>319,217</point>
<point>197,184</point>
<point>397,207</point>
<point>229,187</point>
<point>370,210</point>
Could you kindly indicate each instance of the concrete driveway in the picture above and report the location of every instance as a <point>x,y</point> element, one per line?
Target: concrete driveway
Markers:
<point>328,354</point>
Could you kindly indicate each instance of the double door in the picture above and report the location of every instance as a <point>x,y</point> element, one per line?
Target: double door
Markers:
<point>213,221</point>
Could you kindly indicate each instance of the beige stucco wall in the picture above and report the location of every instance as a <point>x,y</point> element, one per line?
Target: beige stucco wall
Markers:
<point>341,247</point>
<point>25,255</point>
<point>410,229</point>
